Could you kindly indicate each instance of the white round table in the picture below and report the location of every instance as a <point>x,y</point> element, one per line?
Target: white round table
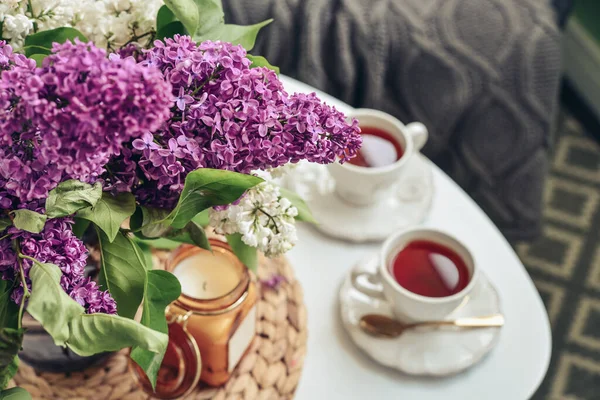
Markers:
<point>336,369</point>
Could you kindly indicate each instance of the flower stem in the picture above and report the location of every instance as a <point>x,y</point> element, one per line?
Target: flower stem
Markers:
<point>33,260</point>
<point>135,38</point>
<point>35,27</point>
<point>270,218</point>
<point>212,76</point>
<point>26,293</point>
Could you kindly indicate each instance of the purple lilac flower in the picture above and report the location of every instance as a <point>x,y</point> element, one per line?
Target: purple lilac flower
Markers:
<point>273,282</point>
<point>68,118</point>
<point>145,144</point>
<point>130,50</point>
<point>6,55</point>
<point>23,176</point>
<point>64,121</point>
<point>129,98</point>
<point>142,127</point>
<point>8,260</point>
<point>56,244</point>
<point>88,295</point>
<point>228,116</point>
<point>17,82</point>
<point>183,99</point>
<point>8,58</point>
<point>124,175</point>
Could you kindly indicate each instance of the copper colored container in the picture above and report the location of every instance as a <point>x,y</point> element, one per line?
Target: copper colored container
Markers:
<point>210,334</point>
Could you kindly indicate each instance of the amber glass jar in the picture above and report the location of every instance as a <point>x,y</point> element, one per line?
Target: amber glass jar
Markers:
<point>215,315</point>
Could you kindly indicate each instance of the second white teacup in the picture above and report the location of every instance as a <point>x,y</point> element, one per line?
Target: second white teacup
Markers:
<point>407,305</point>
<point>363,186</point>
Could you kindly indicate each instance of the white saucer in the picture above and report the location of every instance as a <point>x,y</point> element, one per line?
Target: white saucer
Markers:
<point>422,352</point>
<point>407,206</point>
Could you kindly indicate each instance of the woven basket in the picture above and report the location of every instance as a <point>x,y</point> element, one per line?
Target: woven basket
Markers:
<point>270,369</point>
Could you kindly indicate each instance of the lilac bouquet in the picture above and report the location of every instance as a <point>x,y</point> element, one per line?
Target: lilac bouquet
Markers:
<point>139,143</point>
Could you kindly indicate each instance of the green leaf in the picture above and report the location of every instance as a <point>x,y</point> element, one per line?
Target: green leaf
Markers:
<point>206,187</point>
<point>9,310</point>
<point>198,235</point>
<point>202,218</point>
<point>80,227</point>
<point>210,15</point>
<point>154,222</point>
<point>86,334</point>
<point>137,219</point>
<point>122,272</point>
<point>10,344</point>
<point>8,372</point>
<point>160,243</point>
<point>39,59</point>
<point>191,234</point>
<point>5,223</point>
<point>164,17</point>
<point>109,212</point>
<point>186,11</point>
<point>236,34</point>
<point>198,16</point>
<point>45,39</point>
<point>97,333</point>
<point>259,61</point>
<point>162,288</point>
<point>71,196</point>
<point>171,30</point>
<point>304,213</point>
<point>167,24</point>
<point>15,393</point>
<point>246,254</point>
<point>31,50</point>
<point>30,221</point>
<point>49,304</point>
<point>146,252</point>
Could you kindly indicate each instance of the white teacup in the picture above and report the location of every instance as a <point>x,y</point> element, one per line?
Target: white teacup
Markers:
<point>409,306</point>
<point>362,186</point>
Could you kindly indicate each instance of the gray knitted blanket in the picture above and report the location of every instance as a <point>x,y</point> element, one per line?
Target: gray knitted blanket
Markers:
<point>481,74</point>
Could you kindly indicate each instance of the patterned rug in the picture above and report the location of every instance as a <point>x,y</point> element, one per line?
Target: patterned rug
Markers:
<point>565,264</point>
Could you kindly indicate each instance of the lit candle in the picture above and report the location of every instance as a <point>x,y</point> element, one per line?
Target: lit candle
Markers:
<point>207,275</point>
<point>211,324</point>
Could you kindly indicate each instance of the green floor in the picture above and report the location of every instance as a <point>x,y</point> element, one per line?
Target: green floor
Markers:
<point>587,13</point>
<point>565,264</point>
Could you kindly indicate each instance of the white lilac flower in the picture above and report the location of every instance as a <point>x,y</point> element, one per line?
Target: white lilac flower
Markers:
<point>112,23</point>
<point>107,23</point>
<point>263,218</point>
<point>16,27</point>
<point>21,18</point>
<point>8,7</point>
<point>50,14</point>
<point>283,170</point>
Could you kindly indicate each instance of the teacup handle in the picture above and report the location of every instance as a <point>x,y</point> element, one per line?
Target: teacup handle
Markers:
<point>419,134</point>
<point>368,283</point>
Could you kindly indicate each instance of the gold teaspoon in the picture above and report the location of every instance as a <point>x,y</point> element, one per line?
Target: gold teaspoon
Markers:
<point>386,327</point>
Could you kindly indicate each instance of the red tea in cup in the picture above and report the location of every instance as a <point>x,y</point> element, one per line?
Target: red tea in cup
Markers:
<point>430,269</point>
<point>379,149</point>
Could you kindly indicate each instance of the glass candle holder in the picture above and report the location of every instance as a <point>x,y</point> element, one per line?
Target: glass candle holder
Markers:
<point>211,324</point>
